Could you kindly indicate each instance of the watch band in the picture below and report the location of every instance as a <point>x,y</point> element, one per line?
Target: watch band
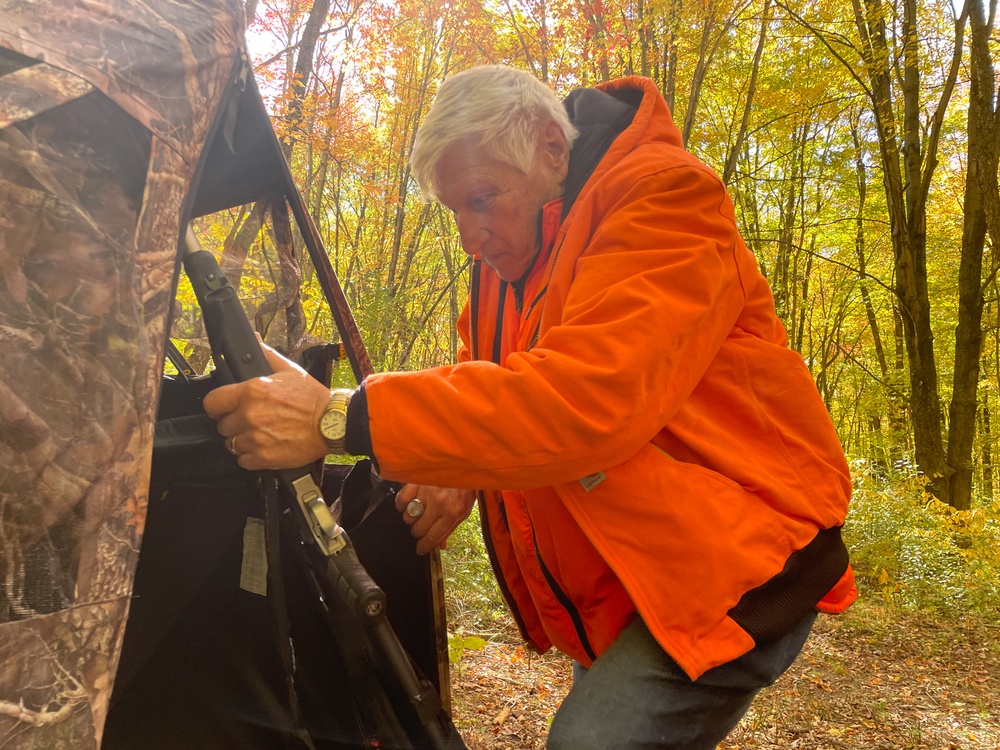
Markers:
<point>339,401</point>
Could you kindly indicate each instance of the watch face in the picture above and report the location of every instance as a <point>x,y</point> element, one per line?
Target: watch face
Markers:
<point>333,424</point>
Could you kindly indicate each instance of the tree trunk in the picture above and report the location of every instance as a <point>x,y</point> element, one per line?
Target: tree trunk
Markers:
<point>907,181</point>
<point>303,70</point>
<point>981,179</point>
<point>250,11</point>
<point>741,134</point>
<point>800,322</point>
<point>644,34</point>
<point>282,306</point>
<point>529,58</point>
<point>707,48</point>
<point>784,272</point>
<point>238,242</point>
<point>705,51</point>
<point>859,246</point>
<point>986,439</point>
<point>669,85</point>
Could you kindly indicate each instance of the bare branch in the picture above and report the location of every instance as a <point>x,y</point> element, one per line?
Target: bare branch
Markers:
<point>278,55</point>
<point>824,38</point>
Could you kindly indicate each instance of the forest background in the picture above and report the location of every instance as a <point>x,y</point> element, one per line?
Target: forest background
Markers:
<point>858,140</point>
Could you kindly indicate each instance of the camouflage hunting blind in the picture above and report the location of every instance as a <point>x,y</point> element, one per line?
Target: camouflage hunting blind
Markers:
<point>150,595</point>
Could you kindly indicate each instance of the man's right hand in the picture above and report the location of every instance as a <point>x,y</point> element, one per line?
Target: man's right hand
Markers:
<point>271,422</point>
<point>443,510</point>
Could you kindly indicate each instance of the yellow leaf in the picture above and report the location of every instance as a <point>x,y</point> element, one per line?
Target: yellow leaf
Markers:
<point>474,643</point>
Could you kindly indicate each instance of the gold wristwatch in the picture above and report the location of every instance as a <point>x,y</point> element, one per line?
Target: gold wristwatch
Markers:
<point>333,422</point>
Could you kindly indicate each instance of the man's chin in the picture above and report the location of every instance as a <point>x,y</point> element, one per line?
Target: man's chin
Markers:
<point>505,272</point>
<point>508,271</point>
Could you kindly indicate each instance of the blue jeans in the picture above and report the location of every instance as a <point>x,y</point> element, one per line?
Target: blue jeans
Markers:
<point>635,695</point>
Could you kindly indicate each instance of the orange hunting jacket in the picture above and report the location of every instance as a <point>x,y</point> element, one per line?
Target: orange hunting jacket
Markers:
<point>659,448</point>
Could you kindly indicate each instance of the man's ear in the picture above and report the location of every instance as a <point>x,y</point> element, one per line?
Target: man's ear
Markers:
<point>555,147</point>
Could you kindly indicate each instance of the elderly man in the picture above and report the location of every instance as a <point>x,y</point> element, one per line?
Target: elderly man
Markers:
<point>660,486</point>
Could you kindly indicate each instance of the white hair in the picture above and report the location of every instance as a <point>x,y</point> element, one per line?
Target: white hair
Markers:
<point>501,110</point>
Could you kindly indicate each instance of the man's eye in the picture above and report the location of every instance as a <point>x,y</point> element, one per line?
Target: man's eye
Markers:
<point>481,201</point>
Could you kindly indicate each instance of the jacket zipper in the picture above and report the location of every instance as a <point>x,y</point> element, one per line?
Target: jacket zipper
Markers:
<point>560,595</point>
<point>480,496</point>
<point>474,307</point>
<point>494,563</point>
<point>541,295</point>
<point>564,600</point>
<point>498,328</point>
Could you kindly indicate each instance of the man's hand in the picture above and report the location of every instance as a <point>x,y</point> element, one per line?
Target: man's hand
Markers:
<point>272,422</point>
<point>444,510</point>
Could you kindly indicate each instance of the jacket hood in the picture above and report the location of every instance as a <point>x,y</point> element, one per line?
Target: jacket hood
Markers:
<point>612,119</point>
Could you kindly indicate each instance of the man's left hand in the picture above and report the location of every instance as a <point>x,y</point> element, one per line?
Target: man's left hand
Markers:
<point>443,510</point>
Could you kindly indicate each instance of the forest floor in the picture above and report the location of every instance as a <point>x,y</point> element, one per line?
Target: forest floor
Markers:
<point>872,678</point>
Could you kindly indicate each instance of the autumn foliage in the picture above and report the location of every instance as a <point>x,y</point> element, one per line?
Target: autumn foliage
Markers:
<point>858,142</point>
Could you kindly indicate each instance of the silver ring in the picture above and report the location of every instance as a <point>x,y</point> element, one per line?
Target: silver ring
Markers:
<point>415,508</point>
<point>231,445</point>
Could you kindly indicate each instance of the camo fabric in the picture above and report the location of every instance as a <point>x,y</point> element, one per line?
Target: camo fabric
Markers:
<point>104,109</point>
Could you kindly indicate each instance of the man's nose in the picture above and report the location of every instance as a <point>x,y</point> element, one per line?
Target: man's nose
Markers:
<point>471,232</point>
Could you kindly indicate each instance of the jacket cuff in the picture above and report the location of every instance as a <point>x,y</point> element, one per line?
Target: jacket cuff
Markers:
<point>358,440</point>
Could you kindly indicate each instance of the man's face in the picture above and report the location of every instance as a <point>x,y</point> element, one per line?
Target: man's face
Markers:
<point>496,205</point>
